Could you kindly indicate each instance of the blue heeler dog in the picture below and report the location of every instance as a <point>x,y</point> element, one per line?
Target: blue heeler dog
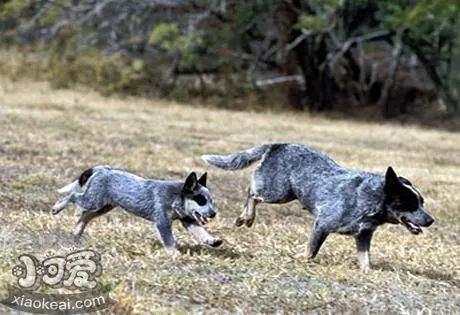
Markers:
<point>100,189</point>
<point>343,200</point>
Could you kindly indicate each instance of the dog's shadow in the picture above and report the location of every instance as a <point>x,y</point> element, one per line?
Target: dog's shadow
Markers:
<point>185,249</point>
<point>429,274</point>
<point>220,252</point>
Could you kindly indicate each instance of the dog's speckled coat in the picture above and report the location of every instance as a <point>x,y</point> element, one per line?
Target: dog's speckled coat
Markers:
<point>100,189</point>
<point>343,200</point>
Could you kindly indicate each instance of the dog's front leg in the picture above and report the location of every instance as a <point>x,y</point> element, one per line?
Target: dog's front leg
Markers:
<point>164,229</point>
<point>317,238</point>
<point>200,234</point>
<point>363,244</point>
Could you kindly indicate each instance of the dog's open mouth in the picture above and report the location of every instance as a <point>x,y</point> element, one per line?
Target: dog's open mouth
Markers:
<point>411,226</point>
<point>199,218</point>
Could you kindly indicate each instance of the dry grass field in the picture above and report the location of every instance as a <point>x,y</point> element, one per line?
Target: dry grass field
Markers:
<point>49,136</point>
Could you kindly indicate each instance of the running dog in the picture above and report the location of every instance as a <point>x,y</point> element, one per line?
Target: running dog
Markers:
<point>342,200</point>
<point>100,189</point>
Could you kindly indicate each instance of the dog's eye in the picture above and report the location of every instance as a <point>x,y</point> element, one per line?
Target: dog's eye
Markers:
<point>200,200</point>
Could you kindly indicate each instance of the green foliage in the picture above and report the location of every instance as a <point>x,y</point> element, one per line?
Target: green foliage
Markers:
<point>137,65</point>
<point>52,15</point>
<point>76,33</point>
<point>168,37</point>
<point>251,15</point>
<point>424,14</point>
<point>13,8</point>
<point>331,6</point>
<point>106,73</point>
<point>164,35</point>
<point>325,10</point>
<point>311,22</point>
<point>431,31</point>
<point>249,82</point>
<point>433,27</point>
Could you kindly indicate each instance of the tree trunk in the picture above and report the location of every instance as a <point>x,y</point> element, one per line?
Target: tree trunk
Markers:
<point>384,100</point>
<point>311,52</point>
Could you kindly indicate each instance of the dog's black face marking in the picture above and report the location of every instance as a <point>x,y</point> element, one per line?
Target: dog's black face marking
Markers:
<point>407,200</point>
<point>400,193</point>
<point>200,200</point>
<point>405,203</point>
<point>85,176</point>
<point>197,199</point>
<point>411,200</point>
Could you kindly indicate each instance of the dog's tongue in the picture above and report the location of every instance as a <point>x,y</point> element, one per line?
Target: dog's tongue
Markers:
<point>413,228</point>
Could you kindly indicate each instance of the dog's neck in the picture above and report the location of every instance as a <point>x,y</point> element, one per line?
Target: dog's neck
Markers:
<point>175,199</point>
<point>178,206</point>
<point>378,201</point>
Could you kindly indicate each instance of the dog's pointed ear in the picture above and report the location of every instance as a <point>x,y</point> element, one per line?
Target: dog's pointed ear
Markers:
<point>202,180</point>
<point>191,183</point>
<point>391,180</point>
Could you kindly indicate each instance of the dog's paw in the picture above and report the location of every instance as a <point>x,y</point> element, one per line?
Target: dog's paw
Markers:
<point>302,255</point>
<point>249,222</point>
<point>244,221</point>
<point>55,210</point>
<point>76,239</point>
<point>58,207</point>
<point>216,242</point>
<point>365,269</point>
<point>305,254</point>
<point>239,221</point>
<point>174,252</point>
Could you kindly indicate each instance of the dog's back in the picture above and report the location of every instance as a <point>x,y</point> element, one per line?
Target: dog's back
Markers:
<point>292,159</point>
<point>314,179</point>
<point>291,171</point>
<point>129,191</point>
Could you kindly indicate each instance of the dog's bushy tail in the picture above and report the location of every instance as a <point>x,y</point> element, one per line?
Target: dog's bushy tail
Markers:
<point>69,188</point>
<point>238,160</point>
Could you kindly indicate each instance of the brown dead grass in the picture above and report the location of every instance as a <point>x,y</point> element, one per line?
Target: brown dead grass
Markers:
<point>49,136</point>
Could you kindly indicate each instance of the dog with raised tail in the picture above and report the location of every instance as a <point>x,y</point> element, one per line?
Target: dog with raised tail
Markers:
<point>342,200</point>
<point>100,189</point>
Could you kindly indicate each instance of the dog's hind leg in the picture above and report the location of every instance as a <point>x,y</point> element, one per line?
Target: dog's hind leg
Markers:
<point>87,216</point>
<point>363,244</point>
<point>266,187</point>
<point>200,234</point>
<point>248,215</point>
<point>317,238</point>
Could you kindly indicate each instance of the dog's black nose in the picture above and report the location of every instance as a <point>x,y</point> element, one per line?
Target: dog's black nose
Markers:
<point>212,214</point>
<point>217,242</point>
<point>429,222</point>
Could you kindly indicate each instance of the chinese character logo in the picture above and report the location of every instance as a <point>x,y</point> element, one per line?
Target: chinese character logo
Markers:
<point>77,270</point>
